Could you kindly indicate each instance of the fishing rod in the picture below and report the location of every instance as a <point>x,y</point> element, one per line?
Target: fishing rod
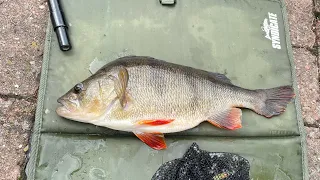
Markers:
<point>59,24</point>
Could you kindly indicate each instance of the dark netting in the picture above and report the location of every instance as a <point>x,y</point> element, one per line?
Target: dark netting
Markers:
<point>197,164</point>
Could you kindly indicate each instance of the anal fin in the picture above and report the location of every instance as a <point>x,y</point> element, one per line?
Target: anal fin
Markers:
<point>153,140</point>
<point>229,119</point>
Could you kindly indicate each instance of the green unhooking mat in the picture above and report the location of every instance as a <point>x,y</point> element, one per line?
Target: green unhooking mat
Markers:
<point>247,40</point>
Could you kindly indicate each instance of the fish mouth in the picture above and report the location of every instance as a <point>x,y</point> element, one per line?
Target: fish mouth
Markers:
<point>67,110</point>
<point>62,109</point>
<point>61,102</point>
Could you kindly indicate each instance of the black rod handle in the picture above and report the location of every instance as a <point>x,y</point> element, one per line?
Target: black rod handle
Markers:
<point>59,25</point>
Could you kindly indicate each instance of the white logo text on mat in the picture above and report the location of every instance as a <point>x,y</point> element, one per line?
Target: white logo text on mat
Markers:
<point>271,28</point>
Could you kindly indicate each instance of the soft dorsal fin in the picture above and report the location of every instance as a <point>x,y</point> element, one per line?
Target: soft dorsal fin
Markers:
<point>220,77</point>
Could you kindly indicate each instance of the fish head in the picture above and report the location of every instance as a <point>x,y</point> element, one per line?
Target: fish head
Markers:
<point>88,100</point>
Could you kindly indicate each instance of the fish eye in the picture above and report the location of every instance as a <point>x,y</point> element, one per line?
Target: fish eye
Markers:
<point>78,88</point>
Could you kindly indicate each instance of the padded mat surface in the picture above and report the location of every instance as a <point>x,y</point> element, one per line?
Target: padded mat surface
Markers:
<point>218,36</point>
<point>229,37</point>
<point>124,158</point>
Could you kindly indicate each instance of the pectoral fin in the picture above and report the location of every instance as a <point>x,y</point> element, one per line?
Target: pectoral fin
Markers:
<point>123,77</point>
<point>120,86</point>
<point>229,119</point>
<point>153,140</point>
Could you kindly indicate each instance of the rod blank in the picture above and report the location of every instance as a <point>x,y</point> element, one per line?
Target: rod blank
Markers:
<point>59,25</point>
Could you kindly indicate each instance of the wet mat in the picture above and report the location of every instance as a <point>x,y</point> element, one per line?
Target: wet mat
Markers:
<point>247,40</point>
<point>83,157</point>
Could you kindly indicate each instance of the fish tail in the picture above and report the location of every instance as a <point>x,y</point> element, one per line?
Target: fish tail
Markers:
<point>273,102</point>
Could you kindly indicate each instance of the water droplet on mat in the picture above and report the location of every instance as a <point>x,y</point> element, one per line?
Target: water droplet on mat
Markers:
<point>97,174</point>
<point>67,165</point>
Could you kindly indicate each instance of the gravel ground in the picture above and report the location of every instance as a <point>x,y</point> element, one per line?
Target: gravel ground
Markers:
<point>22,32</point>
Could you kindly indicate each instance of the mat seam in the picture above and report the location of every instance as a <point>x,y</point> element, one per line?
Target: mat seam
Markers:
<point>40,104</point>
<point>182,135</point>
<point>235,137</point>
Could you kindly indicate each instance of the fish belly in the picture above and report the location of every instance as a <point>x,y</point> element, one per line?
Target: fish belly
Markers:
<point>177,125</point>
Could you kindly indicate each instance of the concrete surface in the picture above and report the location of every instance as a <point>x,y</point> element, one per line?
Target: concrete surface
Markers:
<point>300,21</point>
<point>21,43</point>
<point>307,73</point>
<point>313,141</point>
<point>304,32</point>
<point>22,32</point>
<point>16,118</point>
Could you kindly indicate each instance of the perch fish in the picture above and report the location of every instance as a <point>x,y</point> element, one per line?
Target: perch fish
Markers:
<point>150,97</point>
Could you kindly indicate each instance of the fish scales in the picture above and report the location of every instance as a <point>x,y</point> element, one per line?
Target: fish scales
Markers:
<point>180,90</point>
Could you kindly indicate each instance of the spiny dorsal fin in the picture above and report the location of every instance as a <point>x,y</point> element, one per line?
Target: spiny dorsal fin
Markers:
<point>229,119</point>
<point>220,77</point>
